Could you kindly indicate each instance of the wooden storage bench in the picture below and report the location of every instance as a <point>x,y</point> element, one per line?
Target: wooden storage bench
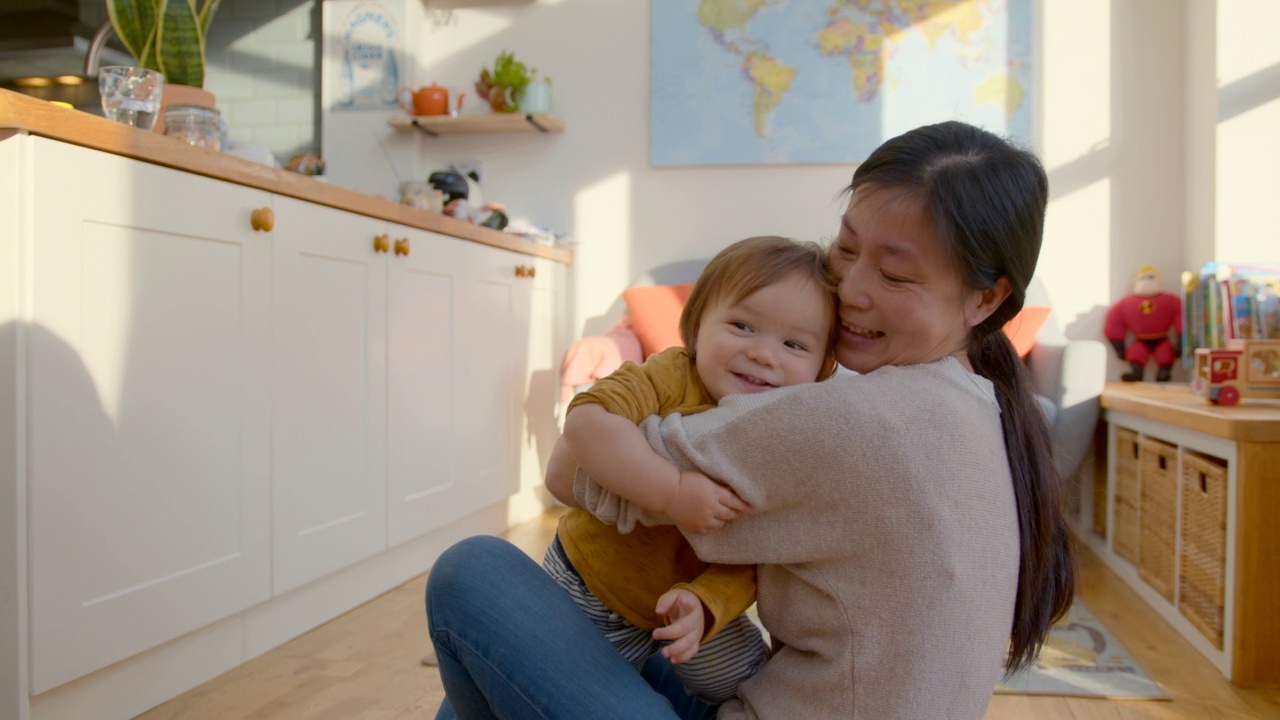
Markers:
<point>1191,494</point>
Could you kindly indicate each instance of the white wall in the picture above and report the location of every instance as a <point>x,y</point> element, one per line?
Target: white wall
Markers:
<point>1121,129</point>
<point>594,179</point>
<point>261,67</point>
<point>1247,169</point>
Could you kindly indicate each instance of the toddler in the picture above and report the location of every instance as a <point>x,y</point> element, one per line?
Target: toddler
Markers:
<point>761,315</point>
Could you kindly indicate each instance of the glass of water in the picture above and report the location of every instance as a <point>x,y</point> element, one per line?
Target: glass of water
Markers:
<point>131,95</point>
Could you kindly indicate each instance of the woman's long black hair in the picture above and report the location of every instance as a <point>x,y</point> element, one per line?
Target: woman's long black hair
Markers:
<point>987,200</point>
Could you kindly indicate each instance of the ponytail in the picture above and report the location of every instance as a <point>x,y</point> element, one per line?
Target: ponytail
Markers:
<point>1046,573</point>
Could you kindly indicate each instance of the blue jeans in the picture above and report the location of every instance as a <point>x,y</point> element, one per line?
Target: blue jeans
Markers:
<point>512,644</point>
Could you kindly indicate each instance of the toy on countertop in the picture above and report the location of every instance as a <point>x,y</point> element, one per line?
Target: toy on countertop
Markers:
<point>1146,325</point>
<point>462,201</point>
<point>1243,369</point>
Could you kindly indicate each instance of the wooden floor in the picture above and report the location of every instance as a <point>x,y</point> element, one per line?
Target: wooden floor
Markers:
<point>365,665</point>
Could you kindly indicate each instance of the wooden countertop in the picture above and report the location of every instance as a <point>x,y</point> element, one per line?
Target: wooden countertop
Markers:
<point>37,117</point>
<point>1173,404</point>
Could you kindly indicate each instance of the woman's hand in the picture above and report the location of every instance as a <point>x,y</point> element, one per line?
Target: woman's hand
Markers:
<point>702,505</point>
<point>686,621</point>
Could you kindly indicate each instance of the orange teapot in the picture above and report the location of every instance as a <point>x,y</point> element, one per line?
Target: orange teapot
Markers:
<point>430,99</point>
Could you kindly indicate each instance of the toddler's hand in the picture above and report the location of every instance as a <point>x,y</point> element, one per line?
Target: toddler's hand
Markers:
<point>685,624</point>
<point>702,505</point>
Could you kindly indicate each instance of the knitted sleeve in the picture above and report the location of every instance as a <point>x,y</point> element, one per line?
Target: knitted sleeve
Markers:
<point>828,463</point>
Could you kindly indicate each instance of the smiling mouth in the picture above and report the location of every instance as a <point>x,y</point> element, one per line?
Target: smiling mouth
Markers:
<point>753,381</point>
<point>861,331</point>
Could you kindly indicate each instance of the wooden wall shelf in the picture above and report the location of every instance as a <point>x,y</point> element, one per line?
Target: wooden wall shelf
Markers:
<point>434,125</point>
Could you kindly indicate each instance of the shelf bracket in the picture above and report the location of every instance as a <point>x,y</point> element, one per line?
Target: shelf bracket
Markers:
<point>530,119</point>
<point>423,128</point>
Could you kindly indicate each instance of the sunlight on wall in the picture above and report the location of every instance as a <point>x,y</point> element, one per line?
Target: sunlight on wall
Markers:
<point>1076,79</point>
<point>1074,263</point>
<point>1076,119</point>
<point>602,210</point>
<point>1248,153</point>
<point>1246,38</point>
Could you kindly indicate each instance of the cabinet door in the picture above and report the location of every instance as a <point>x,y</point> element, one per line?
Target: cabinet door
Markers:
<point>328,426</point>
<point>540,323</point>
<point>423,488</point>
<point>487,350</point>
<point>148,407</point>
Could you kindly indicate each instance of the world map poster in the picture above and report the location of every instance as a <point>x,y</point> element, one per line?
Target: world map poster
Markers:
<point>746,82</point>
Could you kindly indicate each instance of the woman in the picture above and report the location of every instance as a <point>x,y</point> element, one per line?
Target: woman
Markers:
<point>907,521</point>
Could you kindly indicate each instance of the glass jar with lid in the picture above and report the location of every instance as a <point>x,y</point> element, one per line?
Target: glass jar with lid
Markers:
<point>195,125</point>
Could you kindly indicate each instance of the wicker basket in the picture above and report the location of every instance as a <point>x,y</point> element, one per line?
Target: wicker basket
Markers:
<point>1124,534</point>
<point>1158,516</point>
<point>1100,479</point>
<point>1202,579</point>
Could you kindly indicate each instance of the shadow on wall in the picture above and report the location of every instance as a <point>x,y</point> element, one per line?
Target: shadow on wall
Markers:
<point>1090,322</point>
<point>541,422</point>
<point>1249,92</point>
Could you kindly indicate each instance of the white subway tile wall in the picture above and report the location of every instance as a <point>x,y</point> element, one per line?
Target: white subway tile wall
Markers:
<point>262,60</point>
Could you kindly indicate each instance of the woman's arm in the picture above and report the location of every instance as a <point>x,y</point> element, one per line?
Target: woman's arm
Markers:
<point>614,451</point>
<point>786,452</point>
<point>849,462</point>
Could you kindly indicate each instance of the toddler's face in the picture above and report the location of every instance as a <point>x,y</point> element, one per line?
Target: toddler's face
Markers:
<point>774,337</point>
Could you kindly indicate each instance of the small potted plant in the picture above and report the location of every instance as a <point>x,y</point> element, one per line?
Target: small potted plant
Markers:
<point>503,87</point>
<point>168,36</point>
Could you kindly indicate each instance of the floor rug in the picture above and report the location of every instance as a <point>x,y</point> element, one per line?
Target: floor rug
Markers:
<point>1083,659</point>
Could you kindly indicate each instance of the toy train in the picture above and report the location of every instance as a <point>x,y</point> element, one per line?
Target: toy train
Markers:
<point>1243,369</point>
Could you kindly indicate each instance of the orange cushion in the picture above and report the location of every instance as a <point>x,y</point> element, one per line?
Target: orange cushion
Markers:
<point>655,315</point>
<point>1024,327</point>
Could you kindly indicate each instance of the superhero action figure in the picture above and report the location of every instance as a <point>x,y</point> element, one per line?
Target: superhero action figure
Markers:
<point>1146,325</point>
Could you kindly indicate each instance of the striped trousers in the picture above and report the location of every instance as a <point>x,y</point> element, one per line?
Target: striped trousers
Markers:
<point>734,654</point>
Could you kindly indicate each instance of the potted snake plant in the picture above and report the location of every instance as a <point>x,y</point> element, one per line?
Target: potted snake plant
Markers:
<point>168,36</point>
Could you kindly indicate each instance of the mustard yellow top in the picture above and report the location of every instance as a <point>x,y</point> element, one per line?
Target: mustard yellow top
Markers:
<point>629,572</point>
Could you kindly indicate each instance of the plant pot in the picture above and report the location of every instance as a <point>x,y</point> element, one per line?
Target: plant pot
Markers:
<point>503,98</point>
<point>182,95</point>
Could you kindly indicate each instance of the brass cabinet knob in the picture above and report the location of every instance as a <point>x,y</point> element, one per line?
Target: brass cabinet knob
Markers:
<point>525,271</point>
<point>402,246</point>
<point>381,243</point>
<point>532,271</point>
<point>262,219</point>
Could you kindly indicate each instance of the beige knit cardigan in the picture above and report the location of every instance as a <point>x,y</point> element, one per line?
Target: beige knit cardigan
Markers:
<point>884,526</point>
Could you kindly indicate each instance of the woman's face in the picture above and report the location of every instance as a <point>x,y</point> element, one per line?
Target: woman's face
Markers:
<point>901,300</point>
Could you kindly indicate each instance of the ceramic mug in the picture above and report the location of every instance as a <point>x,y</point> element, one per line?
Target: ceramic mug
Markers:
<point>454,101</point>
<point>430,99</point>
<point>536,97</point>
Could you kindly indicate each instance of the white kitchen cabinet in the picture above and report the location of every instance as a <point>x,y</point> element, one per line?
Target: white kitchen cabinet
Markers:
<point>329,412</point>
<point>423,491</point>
<point>400,381</point>
<point>486,353</point>
<point>148,400</point>
<point>223,436</point>
<point>459,352</point>
<point>542,340</point>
